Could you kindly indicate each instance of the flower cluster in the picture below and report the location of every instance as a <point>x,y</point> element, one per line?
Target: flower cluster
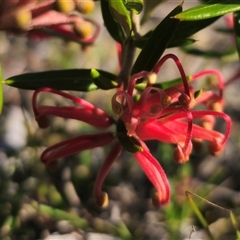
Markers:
<point>49,17</point>
<point>168,114</point>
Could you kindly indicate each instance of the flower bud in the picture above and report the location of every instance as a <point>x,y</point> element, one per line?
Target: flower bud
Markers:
<point>166,101</point>
<point>216,106</point>
<point>159,201</point>
<point>83,29</point>
<point>186,101</point>
<point>65,6</point>
<point>215,147</point>
<point>181,157</point>
<point>23,19</point>
<point>102,200</point>
<point>85,6</point>
<point>208,122</point>
<point>151,78</point>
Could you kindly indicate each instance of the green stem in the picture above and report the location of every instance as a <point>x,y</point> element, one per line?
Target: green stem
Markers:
<point>200,216</point>
<point>234,223</point>
<point>128,58</point>
<point>57,215</point>
<point>129,52</point>
<point>77,222</point>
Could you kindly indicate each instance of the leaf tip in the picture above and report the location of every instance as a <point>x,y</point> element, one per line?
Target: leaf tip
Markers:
<point>94,73</point>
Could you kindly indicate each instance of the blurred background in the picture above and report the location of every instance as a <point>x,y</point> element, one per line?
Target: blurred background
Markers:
<point>37,203</point>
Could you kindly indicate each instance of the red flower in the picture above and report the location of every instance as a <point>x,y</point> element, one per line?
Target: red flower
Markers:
<point>165,115</point>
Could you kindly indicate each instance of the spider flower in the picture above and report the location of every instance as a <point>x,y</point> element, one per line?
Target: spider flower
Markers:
<point>166,115</point>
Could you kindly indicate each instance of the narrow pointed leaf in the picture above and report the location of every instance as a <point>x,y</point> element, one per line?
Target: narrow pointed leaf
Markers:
<point>209,10</point>
<point>140,42</point>
<point>70,79</point>
<point>198,93</point>
<point>112,26</point>
<point>121,14</point>
<point>157,43</point>
<point>101,81</point>
<point>237,31</point>
<point>188,28</point>
<point>181,36</point>
<point>131,144</point>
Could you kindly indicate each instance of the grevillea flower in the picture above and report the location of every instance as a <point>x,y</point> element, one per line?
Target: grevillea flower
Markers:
<point>167,115</point>
<point>41,19</point>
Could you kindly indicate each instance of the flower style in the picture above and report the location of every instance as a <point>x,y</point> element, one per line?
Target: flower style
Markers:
<point>40,19</point>
<point>167,115</point>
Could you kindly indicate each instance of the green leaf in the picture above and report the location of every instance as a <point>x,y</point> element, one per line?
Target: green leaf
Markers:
<point>198,93</point>
<point>209,10</point>
<point>69,79</point>
<point>157,43</point>
<point>113,27</point>
<point>101,81</point>
<point>131,144</point>
<point>181,36</point>
<point>140,42</point>
<point>1,91</point>
<point>121,15</point>
<point>236,20</point>
<point>136,6</point>
<point>187,29</point>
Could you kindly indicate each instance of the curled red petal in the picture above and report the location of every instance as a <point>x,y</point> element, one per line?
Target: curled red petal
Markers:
<point>75,145</point>
<point>156,175</point>
<point>179,66</point>
<point>85,111</point>
<point>97,117</point>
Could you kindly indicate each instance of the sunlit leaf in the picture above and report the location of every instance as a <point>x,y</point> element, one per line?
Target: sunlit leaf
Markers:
<point>113,27</point>
<point>186,29</point>
<point>181,36</point>
<point>101,81</point>
<point>121,15</point>
<point>209,10</point>
<point>70,79</point>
